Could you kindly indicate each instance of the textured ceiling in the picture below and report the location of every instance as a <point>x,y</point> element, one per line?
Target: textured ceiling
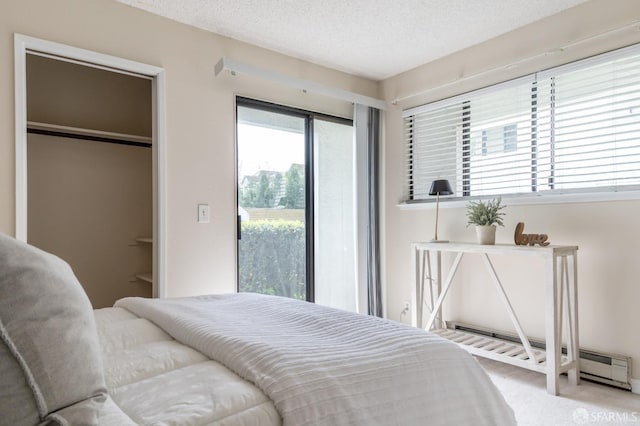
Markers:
<point>371,38</point>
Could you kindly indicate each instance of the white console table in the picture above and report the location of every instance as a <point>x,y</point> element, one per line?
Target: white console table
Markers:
<point>561,294</point>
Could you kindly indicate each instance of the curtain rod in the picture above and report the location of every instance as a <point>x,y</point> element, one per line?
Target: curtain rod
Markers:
<point>297,83</point>
<point>634,24</point>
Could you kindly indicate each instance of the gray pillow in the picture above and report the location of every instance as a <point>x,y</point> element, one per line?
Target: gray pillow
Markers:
<point>49,350</point>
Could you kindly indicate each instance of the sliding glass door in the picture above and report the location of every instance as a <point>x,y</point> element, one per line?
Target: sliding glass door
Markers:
<point>334,214</point>
<point>272,202</point>
<point>296,222</point>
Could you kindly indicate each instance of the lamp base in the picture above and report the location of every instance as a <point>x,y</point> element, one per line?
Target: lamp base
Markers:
<point>439,241</point>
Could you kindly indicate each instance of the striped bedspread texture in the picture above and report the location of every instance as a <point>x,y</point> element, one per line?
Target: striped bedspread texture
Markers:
<point>323,366</point>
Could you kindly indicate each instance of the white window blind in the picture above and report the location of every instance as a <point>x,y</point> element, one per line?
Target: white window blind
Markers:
<point>575,128</point>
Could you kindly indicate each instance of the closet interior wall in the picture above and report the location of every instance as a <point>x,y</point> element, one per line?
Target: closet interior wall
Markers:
<point>89,201</point>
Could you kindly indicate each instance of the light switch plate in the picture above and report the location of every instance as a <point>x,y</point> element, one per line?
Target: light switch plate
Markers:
<point>203,213</point>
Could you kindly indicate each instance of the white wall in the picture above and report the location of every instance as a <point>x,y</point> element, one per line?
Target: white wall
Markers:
<point>200,117</point>
<point>606,232</point>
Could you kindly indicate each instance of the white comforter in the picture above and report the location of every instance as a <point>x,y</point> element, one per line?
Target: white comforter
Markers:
<point>322,366</point>
<point>154,380</point>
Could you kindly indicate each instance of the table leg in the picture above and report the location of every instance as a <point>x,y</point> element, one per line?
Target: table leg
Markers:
<point>512,314</point>
<point>436,286</point>
<point>572,296</point>
<point>416,311</point>
<point>552,334</point>
<point>445,290</point>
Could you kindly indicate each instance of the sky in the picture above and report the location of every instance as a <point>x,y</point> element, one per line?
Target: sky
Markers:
<point>261,148</point>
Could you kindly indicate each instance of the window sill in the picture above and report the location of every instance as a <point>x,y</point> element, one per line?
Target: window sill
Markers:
<point>524,200</point>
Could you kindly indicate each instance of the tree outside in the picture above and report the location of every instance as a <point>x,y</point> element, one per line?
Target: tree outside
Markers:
<point>270,189</point>
<point>294,188</point>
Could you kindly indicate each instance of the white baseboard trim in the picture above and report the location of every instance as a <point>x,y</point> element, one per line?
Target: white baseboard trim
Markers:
<point>635,386</point>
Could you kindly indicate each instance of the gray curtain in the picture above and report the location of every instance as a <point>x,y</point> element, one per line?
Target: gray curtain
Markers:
<point>367,134</point>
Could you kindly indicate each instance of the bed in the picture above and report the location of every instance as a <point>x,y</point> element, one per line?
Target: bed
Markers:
<point>237,359</point>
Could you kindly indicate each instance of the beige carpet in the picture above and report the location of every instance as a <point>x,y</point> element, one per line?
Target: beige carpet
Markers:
<point>587,404</point>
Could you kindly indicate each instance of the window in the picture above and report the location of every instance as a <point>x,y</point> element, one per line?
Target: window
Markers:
<point>574,128</point>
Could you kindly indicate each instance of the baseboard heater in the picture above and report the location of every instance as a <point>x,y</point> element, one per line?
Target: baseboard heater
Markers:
<point>613,370</point>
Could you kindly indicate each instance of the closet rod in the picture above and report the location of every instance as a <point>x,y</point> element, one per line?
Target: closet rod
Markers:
<point>88,134</point>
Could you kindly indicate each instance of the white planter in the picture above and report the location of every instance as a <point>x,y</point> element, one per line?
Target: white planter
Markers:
<point>486,234</point>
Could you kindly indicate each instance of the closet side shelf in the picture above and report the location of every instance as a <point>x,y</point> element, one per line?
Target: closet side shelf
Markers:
<point>147,277</point>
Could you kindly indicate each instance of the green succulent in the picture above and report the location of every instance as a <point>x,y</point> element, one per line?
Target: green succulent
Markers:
<point>485,212</point>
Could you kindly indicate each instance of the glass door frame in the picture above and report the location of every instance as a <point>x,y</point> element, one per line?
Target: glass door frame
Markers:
<point>309,118</point>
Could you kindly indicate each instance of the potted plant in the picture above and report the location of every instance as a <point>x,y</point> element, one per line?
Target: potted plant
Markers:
<point>485,215</point>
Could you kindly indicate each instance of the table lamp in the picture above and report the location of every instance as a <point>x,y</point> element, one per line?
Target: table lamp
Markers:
<point>439,187</point>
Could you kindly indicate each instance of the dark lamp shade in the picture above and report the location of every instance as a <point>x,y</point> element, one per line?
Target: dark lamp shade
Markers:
<point>440,187</point>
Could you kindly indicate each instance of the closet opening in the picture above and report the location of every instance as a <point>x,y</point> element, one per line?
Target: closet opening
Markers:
<point>89,166</point>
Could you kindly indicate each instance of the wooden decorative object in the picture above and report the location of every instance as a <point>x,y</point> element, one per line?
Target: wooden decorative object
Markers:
<point>529,239</point>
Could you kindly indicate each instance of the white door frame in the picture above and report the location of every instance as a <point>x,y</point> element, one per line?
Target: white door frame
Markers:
<point>22,44</point>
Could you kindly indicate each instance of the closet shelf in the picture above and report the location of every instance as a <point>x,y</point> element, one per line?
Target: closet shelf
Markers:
<point>146,276</point>
<point>89,133</point>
